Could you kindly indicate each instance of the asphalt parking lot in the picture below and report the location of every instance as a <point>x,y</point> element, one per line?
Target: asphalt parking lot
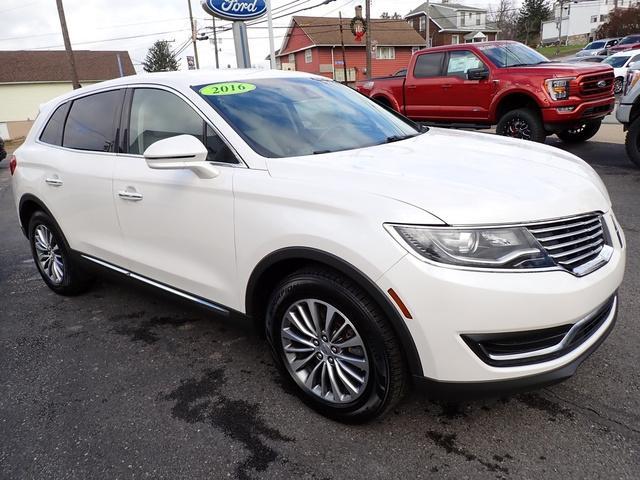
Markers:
<point>124,383</point>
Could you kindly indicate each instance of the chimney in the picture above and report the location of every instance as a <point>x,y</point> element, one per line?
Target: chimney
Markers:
<point>359,11</point>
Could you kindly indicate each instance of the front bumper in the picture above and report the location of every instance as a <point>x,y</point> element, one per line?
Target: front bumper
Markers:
<point>623,113</point>
<point>554,118</point>
<point>447,303</point>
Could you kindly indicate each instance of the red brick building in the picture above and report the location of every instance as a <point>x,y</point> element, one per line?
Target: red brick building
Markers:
<point>312,44</point>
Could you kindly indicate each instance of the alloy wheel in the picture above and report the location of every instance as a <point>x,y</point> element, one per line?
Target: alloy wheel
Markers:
<point>618,85</point>
<point>518,128</point>
<point>324,353</point>
<point>49,254</point>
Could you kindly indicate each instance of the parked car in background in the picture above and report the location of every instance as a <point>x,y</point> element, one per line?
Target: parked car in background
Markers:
<point>629,42</point>
<point>3,152</point>
<point>628,112</point>
<point>598,47</point>
<point>620,62</point>
<point>373,253</point>
<point>505,83</point>
<point>590,59</point>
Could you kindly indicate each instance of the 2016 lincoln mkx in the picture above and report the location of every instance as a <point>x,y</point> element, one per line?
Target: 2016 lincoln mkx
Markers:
<point>374,253</point>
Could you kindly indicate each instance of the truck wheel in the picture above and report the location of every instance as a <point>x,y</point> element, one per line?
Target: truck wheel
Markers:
<point>632,142</point>
<point>580,133</point>
<point>522,123</point>
<point>618,85</point>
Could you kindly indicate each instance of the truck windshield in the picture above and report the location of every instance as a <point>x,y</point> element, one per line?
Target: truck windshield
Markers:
<point>628,40</point>
<point>512,55</point>
<point>287,117</point>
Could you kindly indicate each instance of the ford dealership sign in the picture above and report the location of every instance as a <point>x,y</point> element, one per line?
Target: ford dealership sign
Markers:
<point>236,10</point>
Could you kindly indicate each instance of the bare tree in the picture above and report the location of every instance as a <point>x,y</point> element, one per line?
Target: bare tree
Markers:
<point>504,15</point>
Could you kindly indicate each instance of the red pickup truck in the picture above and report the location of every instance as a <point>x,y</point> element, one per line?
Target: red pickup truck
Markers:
<point>499,83</point>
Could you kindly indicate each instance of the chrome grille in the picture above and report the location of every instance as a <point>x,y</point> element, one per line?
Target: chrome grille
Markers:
<point>572,242</point>
<point>589,84</point>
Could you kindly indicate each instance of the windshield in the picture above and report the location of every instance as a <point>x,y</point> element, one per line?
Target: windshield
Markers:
<point>616,62</point>
<point>594,45</point>
<point>627,40</point>
<point>288,117</point>
<point>512,55</point>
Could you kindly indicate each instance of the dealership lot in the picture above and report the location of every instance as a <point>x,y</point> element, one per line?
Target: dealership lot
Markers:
<point>124,383</point>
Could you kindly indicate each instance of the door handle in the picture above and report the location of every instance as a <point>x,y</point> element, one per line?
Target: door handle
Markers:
<point>131,196</point>
<point>410,86</point>
<point>53,181</point>
<point>446,85</point>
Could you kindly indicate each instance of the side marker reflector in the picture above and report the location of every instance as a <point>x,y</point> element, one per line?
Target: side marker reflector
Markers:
<point>403,308</point>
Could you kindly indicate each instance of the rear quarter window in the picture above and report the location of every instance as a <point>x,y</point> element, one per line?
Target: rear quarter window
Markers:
<point>91,123</point>
<point>428,65</point>
<point>52,133</point>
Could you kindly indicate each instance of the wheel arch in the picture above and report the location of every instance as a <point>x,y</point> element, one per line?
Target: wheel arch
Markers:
<point>635,111</point>
<point>284,261</point>
<point>386,100</point>
<point>27,206</point>
<point>513,101</point>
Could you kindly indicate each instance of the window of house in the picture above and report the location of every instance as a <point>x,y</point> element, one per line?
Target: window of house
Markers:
<point>292,58</point>
<point>478,20</point>
<point>460,61</point>
<point>594,18</point>
<point>462,20</point>
<point>455,39</point>
<point>158,114</point>
<point>85,129</point>
<point>385,53</point>
<point>603,18</point>
<point>428,65</point>
<point>52,133</point>
<point>308,55</point>
<point>422,25</point>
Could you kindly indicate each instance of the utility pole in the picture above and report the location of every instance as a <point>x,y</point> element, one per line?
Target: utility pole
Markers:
<point>367,13</point>
<point>67,45</point>
<point>193,36</point>
<point>344,55</point>
<point>560,28</point>
<point>428,22</point>
<point>215,40</point>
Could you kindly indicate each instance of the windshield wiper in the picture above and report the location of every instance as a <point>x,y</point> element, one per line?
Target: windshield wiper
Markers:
<point>319,152</point>
<point>397,138</point>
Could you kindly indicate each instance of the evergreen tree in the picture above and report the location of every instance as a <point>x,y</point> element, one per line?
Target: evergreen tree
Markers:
<point>532,13</point>
<point>159,58</point>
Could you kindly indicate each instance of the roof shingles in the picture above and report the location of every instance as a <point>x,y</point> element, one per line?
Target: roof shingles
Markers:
<point>24,66</point>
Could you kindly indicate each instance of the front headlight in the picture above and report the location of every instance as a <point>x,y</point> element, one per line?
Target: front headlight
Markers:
<point>558,88</point>
<point>632,78</point>
<point>501,248</point>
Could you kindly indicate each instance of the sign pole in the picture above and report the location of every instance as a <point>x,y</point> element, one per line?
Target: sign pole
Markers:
<point>344,55</point>
<point>272,48</point>
<point>241,43</point>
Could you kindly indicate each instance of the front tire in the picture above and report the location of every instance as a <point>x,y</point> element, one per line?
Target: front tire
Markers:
<point>632,142</point>
<point>523,123</point>
<point>52,257</point>
<point>333,342</point>
<point>618,85</point>
<point>581,133</point>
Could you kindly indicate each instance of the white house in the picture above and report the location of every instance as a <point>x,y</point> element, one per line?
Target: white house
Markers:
<point>580,20</point>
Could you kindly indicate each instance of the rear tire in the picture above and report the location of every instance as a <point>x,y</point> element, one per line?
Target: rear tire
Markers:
<point>581,133</point>
<point>52,257</point>
<point>632,142</point>
<point>523,123</point>
<point>309,346</point>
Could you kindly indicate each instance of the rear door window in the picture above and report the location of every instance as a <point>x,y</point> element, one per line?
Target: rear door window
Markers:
<point>428,65</point>
<point>52,133</point>
<point>91,123</point>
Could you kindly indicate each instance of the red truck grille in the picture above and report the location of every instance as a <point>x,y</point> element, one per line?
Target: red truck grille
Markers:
<point>600,84</point>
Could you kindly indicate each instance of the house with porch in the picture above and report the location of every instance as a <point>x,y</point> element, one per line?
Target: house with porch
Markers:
<point>452,23</point>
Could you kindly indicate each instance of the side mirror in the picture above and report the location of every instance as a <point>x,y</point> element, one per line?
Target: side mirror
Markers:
<point>477,73</point>
<point>179,153</point>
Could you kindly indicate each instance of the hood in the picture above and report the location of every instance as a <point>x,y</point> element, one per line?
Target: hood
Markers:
<point>460,177</point>
<point>553,69</point>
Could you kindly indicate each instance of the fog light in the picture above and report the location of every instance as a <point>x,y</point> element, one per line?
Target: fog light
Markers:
<point>566,109</point>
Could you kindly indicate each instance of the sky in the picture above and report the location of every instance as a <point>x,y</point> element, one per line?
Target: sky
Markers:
<point>134,25</point>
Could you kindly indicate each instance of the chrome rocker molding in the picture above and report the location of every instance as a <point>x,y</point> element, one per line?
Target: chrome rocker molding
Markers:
<point>161,286</point>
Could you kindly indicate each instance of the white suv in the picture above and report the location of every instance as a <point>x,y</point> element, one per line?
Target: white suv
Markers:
<point>372,252</point>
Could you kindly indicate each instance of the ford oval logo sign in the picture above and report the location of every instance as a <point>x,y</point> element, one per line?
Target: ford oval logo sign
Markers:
<point>602,83</point>
<point>236,10</point>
